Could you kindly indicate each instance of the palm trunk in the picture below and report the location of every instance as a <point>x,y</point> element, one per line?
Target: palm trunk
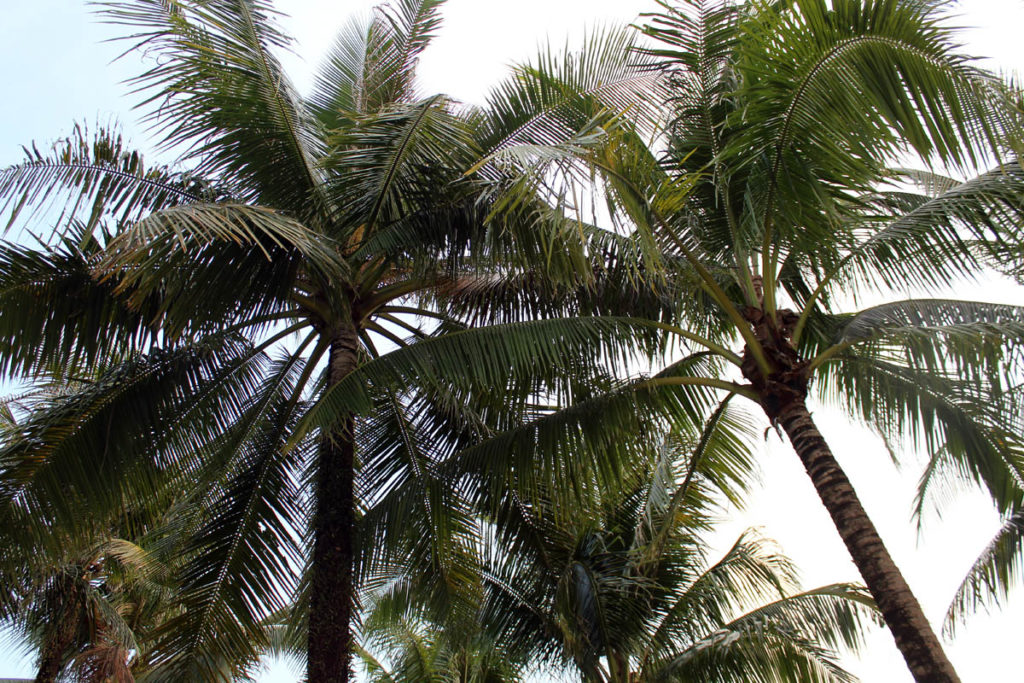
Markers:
<point>332,600</point>
<point>913,634</point>
<point>64,630</point>
<point>51,662</point>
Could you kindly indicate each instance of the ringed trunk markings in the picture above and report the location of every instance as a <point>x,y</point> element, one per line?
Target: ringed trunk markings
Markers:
<point>332,600</point>
<point>910,628</point>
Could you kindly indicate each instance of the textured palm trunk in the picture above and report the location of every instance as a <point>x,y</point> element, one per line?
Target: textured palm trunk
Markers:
<point>51,661</point>
<point>332,600</point>
<point>63,633</point>
<point>913,634</point>
<point>782,394</point>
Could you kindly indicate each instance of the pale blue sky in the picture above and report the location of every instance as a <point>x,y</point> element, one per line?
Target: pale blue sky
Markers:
<point>56,72</point>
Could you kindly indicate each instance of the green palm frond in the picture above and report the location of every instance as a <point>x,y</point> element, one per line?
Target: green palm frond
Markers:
<point>695,47</point>
<point>997,570</point>
<point>940,239</point>
<point>735,656</point>
<point>958,429</point>
<point>117,418</point>
<point>974,340</point>
<point>930,183</point>
<point>549,101</point>
<point>220,94</point>
<point>431,533</point>
<point>489,357</point>
<point>91,175</point>
<point>196,225</point>
<point>58,311</point>
<point>391,163</point>
<point>875,80</point>
<point>339,93</point>
<point>750,571</point>
<point>372,63</point>
<point>154,253</point>
<point>243,555</point>
<point>406,28</point>
<point>719,458</point>
<point>221,284</point>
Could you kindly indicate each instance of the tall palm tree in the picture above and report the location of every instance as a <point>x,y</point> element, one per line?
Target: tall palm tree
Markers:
<point>771,203</point>
<point>625,592</point>
<point>235,316</point>
<point>792,113</point>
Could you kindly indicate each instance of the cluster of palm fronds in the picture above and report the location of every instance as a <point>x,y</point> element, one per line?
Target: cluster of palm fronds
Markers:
<point>359,374</point>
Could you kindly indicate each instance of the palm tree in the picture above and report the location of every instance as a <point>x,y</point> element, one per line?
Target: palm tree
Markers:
<point>791,114</point>
<point>233,319</point>
<point>88,596</point>
<point>399,646</point>
<point>772,202</point>
<point>626,593</point>
<point>65,589</point>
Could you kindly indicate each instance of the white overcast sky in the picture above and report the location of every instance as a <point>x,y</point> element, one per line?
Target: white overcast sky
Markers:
<point>55,71</point>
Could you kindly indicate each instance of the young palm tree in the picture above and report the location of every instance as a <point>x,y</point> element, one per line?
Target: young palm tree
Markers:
<point>792,113</point>
<point>87,596</point>
<point>234,319</point>
<point>399,646</point>
<point>627,594</point>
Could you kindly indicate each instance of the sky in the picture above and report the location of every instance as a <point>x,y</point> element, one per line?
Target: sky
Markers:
<point>57,71</point>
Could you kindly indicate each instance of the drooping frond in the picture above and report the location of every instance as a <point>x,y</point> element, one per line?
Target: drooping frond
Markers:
<point>975,340</point>
<point>61,316</point>
<point>957,428</point>
<point>937,240</point>
<point>104,443</point>
<point>998,570</point>
<point>860,83</point>
<point>242,559</point>
<point>210,265</point>
<point>773,643</point>
<point>415,522</point>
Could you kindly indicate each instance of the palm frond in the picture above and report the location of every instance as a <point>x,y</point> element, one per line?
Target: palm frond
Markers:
<point>974,340</point>
<point>392,163</point>
<point>771,643</point>
<point>548,102</point>
<point>962,431</point>
<point>242,559</point>
<point>88,176</point>
<point>489,357</point>
<point>218,92</point>
<point>60,316</point>
<point>875,80</point>
<point>941,239</point>
<point>998,569</point>
<point>103,443</point>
